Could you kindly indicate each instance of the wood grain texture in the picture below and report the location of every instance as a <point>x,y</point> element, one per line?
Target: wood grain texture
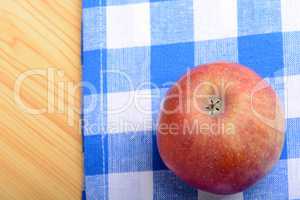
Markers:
<point>40,154</point>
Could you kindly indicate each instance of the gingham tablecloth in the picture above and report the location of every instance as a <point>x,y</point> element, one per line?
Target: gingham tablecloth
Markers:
<point>132,52</point>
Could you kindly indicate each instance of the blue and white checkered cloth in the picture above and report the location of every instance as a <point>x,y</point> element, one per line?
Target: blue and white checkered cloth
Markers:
<point>132,52</point>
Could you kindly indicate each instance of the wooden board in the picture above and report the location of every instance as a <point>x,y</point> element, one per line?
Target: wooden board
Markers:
<point>40,154</point>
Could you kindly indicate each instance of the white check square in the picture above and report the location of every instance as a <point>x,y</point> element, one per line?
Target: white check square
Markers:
<point>294,178</point>
<point>292,96</point>
<point>129,111</point>
<point>131,186</point>
<point>128,25</point>
<point>215,19</point>
<point>290,15</point>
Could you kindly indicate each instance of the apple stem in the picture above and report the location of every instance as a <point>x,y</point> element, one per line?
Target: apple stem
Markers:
<point>215,105</point>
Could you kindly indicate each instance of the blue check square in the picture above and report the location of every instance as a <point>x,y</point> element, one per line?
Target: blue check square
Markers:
<point>124,2</point>
<point>96,154</point>
<point>94,27</point>
<point>291,51</point>
<point>97,187</point>
<point>93,3</point>
<point>167,185</point>
<point>94,114</point>
<point>94,64</point>
<point>170,62</point>
<point>284,151</point>
<point>158,164</point>
<point>263,53</point>
<point>258,17</point>
<point>157,96</point>
<point>123,66</point>
<point>216,50</point>
<point>171,22</point>
<point>293,137</point>
<point>159,0</point>
<point>130,152</point>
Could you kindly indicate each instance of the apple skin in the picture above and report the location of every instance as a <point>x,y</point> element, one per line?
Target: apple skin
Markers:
<point>221,160</point>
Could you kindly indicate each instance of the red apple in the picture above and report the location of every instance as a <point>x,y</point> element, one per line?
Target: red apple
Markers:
<point>221,128</point>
